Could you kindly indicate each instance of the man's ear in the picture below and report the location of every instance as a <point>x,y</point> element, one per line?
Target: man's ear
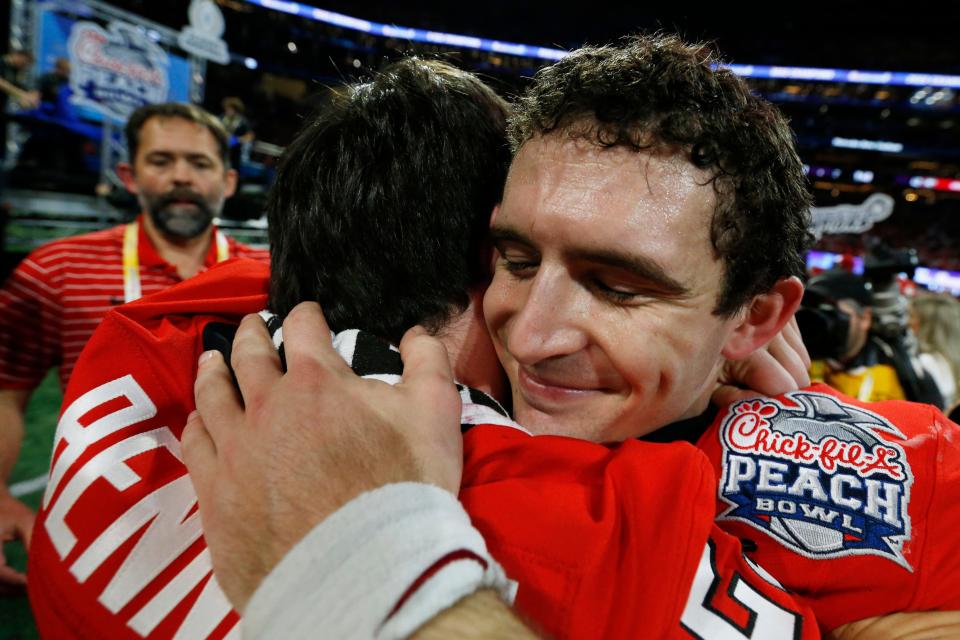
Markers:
<point>764,318</point>
<point>230,184</point>
<point>125,173</point>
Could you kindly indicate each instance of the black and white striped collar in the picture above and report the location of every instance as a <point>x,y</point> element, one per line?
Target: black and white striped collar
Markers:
<point>373,357</point>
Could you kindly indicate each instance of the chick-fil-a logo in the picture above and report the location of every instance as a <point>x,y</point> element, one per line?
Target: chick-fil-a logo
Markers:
<point>822,477</point>
<point>115,70</point>
<point>750,431</point>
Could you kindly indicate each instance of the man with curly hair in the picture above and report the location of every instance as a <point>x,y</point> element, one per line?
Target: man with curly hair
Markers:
<point>652,227</point>
<point>607,329</point>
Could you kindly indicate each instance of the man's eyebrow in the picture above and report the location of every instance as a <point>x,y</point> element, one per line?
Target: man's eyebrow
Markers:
<point>507,234</point>
<point>639,266</point>
<point>170,153</point>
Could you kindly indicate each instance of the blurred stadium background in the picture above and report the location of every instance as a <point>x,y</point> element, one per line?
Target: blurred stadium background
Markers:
<point>872,90</point>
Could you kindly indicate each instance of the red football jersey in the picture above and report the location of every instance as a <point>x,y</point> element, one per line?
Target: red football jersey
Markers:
<point>852,505</point>
<point>117,550</point>
<point>602,541</point>
<point>617,542</point>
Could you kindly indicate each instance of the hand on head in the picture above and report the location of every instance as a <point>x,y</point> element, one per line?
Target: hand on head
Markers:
<point>782,365</point>
<point>275,458</point>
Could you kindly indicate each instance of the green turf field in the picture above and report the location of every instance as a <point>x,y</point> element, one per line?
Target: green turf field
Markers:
<point>16,621</point>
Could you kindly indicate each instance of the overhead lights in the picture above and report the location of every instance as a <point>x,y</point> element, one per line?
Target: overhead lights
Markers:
<point>867,145</point>
<point>933,183</point>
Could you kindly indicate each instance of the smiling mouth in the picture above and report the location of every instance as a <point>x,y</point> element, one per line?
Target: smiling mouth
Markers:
<point>545,395</point>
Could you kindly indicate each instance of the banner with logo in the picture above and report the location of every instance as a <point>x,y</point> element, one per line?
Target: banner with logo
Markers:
<point>115,67</point>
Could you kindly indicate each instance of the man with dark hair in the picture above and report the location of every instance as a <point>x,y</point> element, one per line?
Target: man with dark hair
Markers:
<point>638,246</point>
<point>397,132</point>
<point>385,148</point>
<point>134,129</point>
<point>380,210</point>
<point>683,161</point>
<point>561,564</point>
<point>710,118</point>
<point>58,294</point>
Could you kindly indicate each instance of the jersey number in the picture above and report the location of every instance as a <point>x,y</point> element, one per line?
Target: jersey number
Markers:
<point>765,619</point>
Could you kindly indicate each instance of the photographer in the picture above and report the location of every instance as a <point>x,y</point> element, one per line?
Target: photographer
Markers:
<point>858,335</point>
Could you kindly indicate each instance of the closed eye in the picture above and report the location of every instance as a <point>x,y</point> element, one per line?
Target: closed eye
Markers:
<point>518,266</point>
<point>517,259</point>
<point>615,294</point>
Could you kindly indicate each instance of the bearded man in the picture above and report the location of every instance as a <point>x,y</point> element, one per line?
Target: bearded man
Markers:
<point>179,169</point>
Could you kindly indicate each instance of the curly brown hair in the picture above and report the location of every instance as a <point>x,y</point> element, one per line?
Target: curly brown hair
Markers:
<point>657,92</point>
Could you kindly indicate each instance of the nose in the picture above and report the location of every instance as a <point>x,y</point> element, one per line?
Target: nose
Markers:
<point>182,173</point>
<point>548,323</point>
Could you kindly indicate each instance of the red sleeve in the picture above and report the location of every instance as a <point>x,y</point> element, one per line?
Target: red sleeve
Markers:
<point>940,579</point>
<point>29,325</point>
<point>616,542</point>
<point>117,550</point>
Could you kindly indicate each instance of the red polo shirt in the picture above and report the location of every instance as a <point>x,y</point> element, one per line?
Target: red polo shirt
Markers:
<point>54,300</point>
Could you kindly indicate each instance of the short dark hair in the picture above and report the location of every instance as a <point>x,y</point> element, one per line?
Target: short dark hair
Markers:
<point>657,92</point>
<point>381,205</point>
<point>184,111</point>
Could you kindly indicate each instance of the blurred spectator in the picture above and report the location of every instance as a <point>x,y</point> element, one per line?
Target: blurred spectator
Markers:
<point>52,83</point>
<point>234,119</point>
<point>58,295</point>
<point>936,323</point>
<point>13,83</point>
<point>13,79</point>
<point>54,147</point>
<point>836,321</point>
<point>235,122</point>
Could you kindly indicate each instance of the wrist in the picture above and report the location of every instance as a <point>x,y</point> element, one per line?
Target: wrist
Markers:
<point>381,566</point>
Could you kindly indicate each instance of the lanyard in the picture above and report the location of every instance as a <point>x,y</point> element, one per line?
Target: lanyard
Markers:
<point>131,259</point>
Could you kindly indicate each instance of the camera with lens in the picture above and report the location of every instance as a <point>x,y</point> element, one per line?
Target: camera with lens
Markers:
<point>825,327</point>
<point>891,309</point>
